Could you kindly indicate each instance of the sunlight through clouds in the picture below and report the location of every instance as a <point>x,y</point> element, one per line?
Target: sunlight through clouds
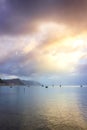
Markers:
<point>43,37</point>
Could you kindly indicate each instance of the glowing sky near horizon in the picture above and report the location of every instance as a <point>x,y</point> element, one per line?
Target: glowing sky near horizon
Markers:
<point>44,40</point>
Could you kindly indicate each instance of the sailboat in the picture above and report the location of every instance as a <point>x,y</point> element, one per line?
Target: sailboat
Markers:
<point>46,87</point>
<point>60,85</point>
<point>81,86</point>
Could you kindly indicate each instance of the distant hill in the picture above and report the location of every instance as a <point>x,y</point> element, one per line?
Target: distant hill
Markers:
<point>12,82</point>
<point>2,82</point>
<point>31,83</point>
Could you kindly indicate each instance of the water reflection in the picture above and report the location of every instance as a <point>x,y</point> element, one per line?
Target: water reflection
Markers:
<point>38,108</point>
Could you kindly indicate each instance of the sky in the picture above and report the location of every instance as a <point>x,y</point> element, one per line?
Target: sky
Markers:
<point>44,40</point>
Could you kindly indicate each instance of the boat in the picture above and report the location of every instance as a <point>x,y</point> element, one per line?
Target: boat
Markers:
<point>60,85</point>
<point>81,86</point>
<point>42,85</point>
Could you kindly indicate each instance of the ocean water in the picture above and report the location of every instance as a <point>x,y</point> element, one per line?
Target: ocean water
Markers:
<point>39,108</point>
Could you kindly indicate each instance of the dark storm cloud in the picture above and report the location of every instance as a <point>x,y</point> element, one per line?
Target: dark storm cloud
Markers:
<point>19,16</point>
<point>49,8</point>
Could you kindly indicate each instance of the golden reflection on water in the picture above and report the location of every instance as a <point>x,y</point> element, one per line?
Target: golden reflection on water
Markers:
<point>63,113</point>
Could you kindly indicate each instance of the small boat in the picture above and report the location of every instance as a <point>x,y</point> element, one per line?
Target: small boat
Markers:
<point>46,87</point>
<point>60,85</point>
<point>11,86</point>
<point>81,86</point>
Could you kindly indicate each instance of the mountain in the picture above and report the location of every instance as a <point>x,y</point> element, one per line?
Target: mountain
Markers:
<point>12,82</point>
<point>31,83</point>
<point>2,82</point>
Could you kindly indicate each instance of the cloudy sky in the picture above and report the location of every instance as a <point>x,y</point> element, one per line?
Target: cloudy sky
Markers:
<point>44,40</point>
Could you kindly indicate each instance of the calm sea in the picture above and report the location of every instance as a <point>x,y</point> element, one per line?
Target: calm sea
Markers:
<point>39,108</point>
